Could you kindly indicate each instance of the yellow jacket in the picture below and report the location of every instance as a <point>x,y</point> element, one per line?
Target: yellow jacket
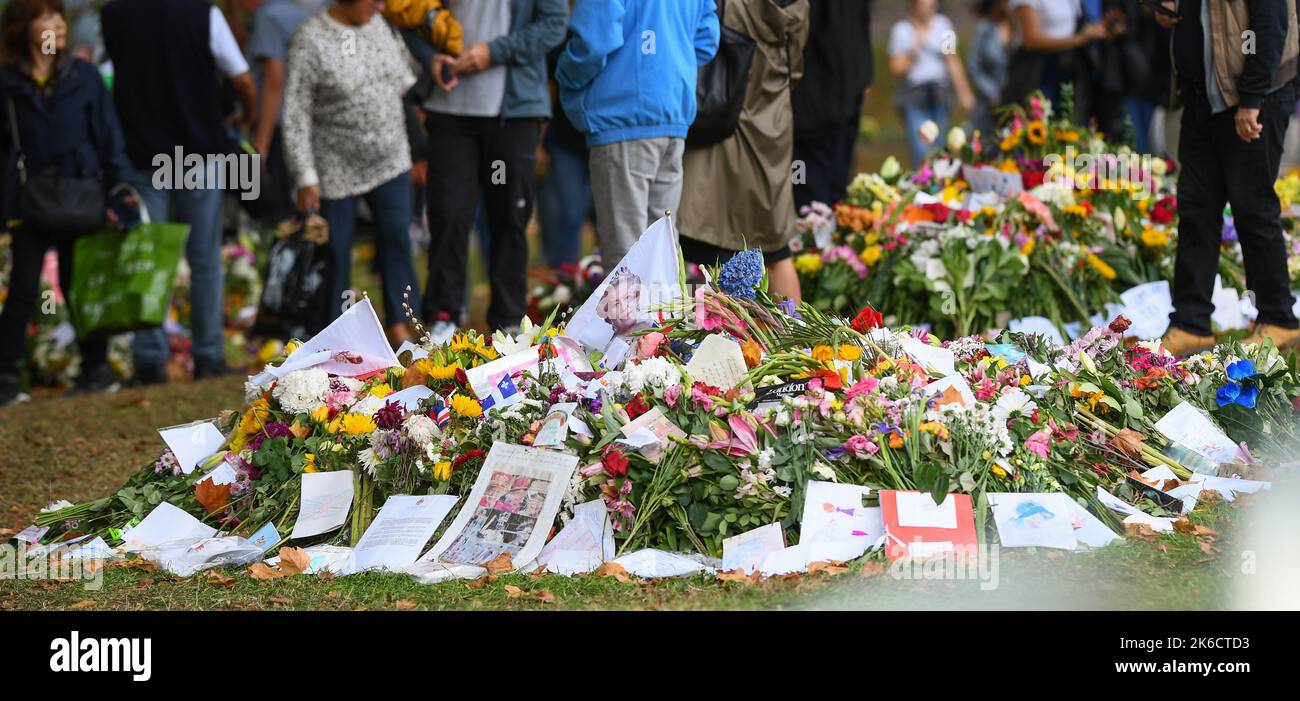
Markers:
<point>434,22</point>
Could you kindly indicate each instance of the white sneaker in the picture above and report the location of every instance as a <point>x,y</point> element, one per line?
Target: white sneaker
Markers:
<point>20,398</point>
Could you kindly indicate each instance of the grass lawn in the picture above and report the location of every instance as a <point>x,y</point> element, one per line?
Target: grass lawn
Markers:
<point>83,449</point>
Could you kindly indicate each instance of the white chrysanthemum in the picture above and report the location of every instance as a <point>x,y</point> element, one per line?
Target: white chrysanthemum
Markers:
<point>301,391</point>
<point>653,373</point>
<point>251,391</point>
<point>1013,403</point>
<point>369,460</point>
<point>421,429</point>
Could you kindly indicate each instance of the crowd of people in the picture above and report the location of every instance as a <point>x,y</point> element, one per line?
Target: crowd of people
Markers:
<point>434,114</point>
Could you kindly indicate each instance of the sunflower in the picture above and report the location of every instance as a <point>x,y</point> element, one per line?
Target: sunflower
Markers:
<point>442,372</point>
<point>1010,141</point>
<point>1036,132</point>
<point>466,406</point>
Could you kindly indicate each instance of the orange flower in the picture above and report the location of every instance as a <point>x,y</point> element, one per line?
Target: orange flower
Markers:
<point>753,353</point>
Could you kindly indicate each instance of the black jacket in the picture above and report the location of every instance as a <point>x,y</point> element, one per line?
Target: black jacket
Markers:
<point>69,126</point>
<point>838,67</point>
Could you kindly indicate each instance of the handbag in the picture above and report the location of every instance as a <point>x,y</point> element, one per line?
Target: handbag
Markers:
<point>294,293</point>
<point>123,280</point>
<point>720,87</point>
<point>54,203</point>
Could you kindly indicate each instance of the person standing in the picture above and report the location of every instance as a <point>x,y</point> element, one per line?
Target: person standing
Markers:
<point>1049,35</point>
<point>167,56</point>
<point>987,63</point>
<point>627,80</point>
<point>564,192</point>
<point>485,123</point>
<point>345,140</point>
<point>838,70</point>
<point>57,118</point>
<point>1235,113</point>
<point>923,56</point>
<point>274,24</point>
<point>739,192</point>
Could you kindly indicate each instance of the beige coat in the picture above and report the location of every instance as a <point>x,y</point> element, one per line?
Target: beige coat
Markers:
<point>1229,20</point>
<point>739,192</point>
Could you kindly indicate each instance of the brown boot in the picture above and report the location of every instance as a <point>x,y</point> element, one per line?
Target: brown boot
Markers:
<point>1281,338</point>
<point>1181,343</point>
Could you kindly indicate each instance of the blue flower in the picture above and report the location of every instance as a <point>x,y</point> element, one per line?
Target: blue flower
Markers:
<point>1228,394</point>
<point>1249,395</point>
<point>742,274</point>
<point>1241,370</point>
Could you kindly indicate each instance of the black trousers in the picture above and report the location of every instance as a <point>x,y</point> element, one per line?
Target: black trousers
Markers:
<point>495,158</point>
<point>827,158</point>
<point>1218,168</point>
<point>28,249</point>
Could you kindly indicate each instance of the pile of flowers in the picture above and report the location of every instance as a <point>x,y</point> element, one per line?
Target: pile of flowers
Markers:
<point>1044,218</point>
<point>822,396</point>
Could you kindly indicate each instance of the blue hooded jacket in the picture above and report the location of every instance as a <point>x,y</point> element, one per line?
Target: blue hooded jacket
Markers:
<point>630,68</point>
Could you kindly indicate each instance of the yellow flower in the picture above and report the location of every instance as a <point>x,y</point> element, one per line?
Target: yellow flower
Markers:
<point>808,263</point>
<point>870,255</point>
<point>466,406</point>
<point>850,352</point>
<point>1028,247</point>
<point>442,372</point>
<point>320,414</point>
<point>1102,267</point>
<point>290,347</point>
<point>823,354</point>
<point>1010,141</point>
<point>459,343</point>
<point>269,351</point>
<point>1154,238</point>
<point>311,463</point>
<point>1068,136</point>
<point>442,471</point>
<point>999,472</point>
<point>357,424</point>
<point>381,390</point>
<point>255,417</point>
<point>1076,209</point>
<point>1036,132</point>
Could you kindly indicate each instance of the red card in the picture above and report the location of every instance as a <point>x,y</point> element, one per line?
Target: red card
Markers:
<point>926,529</point>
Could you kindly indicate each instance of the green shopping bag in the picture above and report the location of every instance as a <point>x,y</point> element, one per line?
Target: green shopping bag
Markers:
<point>123,280</point>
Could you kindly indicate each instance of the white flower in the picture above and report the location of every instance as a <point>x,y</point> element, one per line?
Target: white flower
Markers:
<point>929,131</point>
<point>823,471</point>
<point>956,139</point>
<point>421,429</point>
<point>1013,403</point>
<point>655,373</point>
<point>369,460</point>
<point>562,294</point>
<point>251,391</point>
<point>301,391</point>
<point>782,491</point>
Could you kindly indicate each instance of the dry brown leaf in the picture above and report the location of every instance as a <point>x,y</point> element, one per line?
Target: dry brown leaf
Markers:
<point>738,575</point>
<point>294,561</point>
<point>7,533</point>
<point>1141,531</point>
<point>83,604</point>
<point>872,568</point>
<point>280,601</point>
<point>512,591</point>
<point>404,605</point>
<point>546,596</point>
<point>500,564</point>
<point>479,583</point>
<point>260,570</point>
<point>218,579</point>
<point>615,570</point>
<point>1208,549</point>
<point>831,567</point>
<point>149,582</point>
<point>1185,526</point>
<point>1129,441</point>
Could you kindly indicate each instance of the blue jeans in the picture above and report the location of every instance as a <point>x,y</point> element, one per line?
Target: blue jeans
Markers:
<point>563,203</point>
<point>390,204</point>
<point>914,115</point>
<point>201,210</point>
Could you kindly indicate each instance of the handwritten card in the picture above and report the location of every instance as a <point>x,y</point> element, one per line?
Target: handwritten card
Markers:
<point>718,362</point>
<point>400,530</point>
<point>747,550</point>
<point>323,507</point>
<point>1033,520</point>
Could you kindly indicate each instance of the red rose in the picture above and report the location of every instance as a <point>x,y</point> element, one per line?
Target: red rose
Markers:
<point>615,463</point>
<point>461,377</point>
<point>830,380</point>
<point>867,319</point>
<point>637,407</point>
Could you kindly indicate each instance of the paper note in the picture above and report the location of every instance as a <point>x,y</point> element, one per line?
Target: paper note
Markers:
<point>717,362</point>
<point>192,442</point>
<point>266,537</point>
<point>1114,503</point>
<point>353,344</point>
<point>1230,487</point>
<point>949,389</point>
<point>400,530</point>
<point>1148,307</point>
<point>933,358</point>
<point>918,510</point>
<point>555,429</point>
<point>747,550</point>
<point>1227,314</point>
<point>583,544</point>
<point>1033,520</point>
<point>165,524</point>
<point>409,399</point>
<point>1089,530</point>
<point>1186,425</point>
<point>326,498</point>
<point>833,513</point>
<point>32,534</point>
<point>657,564</point>
<point>989,179</point>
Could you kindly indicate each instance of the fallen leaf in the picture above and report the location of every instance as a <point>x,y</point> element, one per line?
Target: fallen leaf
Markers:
<point>872,568</point>
<point>145,583</point>
<point>213,497</point>
<point>512,591</point>
<point>1208,549</point>
<point>294,561</point>
<point>615,570</point>
<point>1185,526</point>
<point>479,583</point>
<point>499,564</point>
<point>738,575</point>
<point>260,570</point>
<point>83,604</point>
<point>280,601</point>
<point>217,579</point>
<point>1129,441</point>
<point>546,596</point>
<point>1141,531</point>
<point>404,605</point>
<point>830,568</point>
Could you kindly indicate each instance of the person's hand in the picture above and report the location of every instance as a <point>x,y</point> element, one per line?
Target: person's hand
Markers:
<point>130,201</point>
<point>435,67</point>
<point>309,198</point>
<point>478,57</point>
<point>1248,126</point>
<point>1165,20</point>
<point>419,173</point>
<point>966,99</point>
<point>1093,31</point>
